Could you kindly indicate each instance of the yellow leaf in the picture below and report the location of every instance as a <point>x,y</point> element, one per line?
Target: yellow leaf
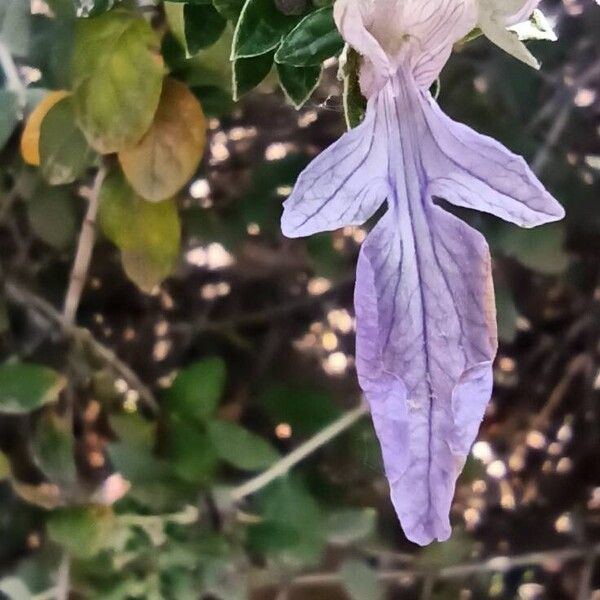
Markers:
<point>30,139</point>
<point>147,233</point>
<point>167,156</point>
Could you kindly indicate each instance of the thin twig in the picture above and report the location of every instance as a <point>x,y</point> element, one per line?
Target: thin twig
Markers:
<point>13,81</point>
<point>562,120</point>
<point>428,586</point>
<point>499,564</point>
<point>271,313</point>
<point>46,311</point>
<point>282,466</point>
<point>63,578</point>
<point>83,255</point>
<point>585,582</point>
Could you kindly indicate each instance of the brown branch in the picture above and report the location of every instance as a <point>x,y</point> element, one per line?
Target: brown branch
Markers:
<point>46,311</point>
<point>498,564</point>
<point>271,313</point>
<point>85,246</point>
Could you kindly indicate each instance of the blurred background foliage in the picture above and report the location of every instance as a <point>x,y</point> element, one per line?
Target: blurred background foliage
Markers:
<point>207,347</point>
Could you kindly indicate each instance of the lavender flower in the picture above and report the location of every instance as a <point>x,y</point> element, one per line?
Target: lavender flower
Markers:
<point>426,331</point>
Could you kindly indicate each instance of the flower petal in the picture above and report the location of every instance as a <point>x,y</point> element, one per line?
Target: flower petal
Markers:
<point>345,184</point>
<point>507,40</point>
<point>426,334</point>
<point>475,171</point>
<point>425,344</point>
<point>350,16</point>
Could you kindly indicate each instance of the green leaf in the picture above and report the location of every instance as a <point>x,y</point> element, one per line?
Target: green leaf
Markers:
<point>82,531</point>
<point>147,233</point>
<point>360,580</point>
<point>64,152</point>
<point>355,104</point>
<point>9,115</point>
<point>15,26</point>
<point>507,313</point>
<point>271,538</point>
<point>215,101</point>
<point>348,526</point>
<point>203,26</point>
<point>540,249</point>
<point>117,79</point>
<point>53,449</point>
<point>312,41</point>
<point>241,448</point>
<point>287,503</point>
<point>298,83</point>
<point>27,387</point>
<point>192,452</point>
<point>451,552</point>
<point>260,28</point>
<point>249,72</point>
<point>230,9</point>
<point>197,389</point>
<point>305,409</point>
<point>52,216</point>
<point>168,154</point>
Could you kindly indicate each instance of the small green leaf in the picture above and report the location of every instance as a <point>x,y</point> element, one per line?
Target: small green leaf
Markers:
<point>355,104</point>
<point>215,101</point>
<point>240,447</point>
<point>117,79</point>
<point>348,526</point>
<point>287,503</point>
<point>507,313</point>
<point>64,152</point>
<point>360,580</point>
<point>53,449</point>
<point>540,249</point>
<point>147,233</point>
<point>298,83</point>
<point>230,9</point>
<point>312,41</point>
<point>9,115</point>
<point>52,216</point>
<point>82,531</point>
<point>249,72</point>
<point>196,391</point>
<point>307,410</point>
<point>191,452</point>
<point>260,28</point>
<point>27,387</point>
<point>203,26</point>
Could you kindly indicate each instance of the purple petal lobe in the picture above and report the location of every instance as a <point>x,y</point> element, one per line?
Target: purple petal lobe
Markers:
<point>344,185</point>
<point>475,171</point>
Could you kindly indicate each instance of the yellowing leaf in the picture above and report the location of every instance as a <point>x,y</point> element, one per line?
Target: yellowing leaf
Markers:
<point>30,139</point>
<point>117,77</point>
<point>167,156</point>
<point>148,234</point>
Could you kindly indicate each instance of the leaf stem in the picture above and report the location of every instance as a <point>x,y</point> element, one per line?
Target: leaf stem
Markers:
<point>282,466</point>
